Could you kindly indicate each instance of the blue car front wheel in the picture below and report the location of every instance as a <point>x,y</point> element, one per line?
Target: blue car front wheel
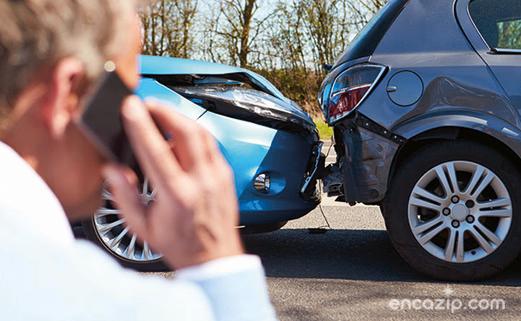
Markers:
<point>108,230</point>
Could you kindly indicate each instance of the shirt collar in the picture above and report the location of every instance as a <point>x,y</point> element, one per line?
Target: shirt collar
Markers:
<point>27,202</point>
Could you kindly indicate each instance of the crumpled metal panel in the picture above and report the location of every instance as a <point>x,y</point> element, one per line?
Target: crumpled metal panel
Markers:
<point>154,65</point>
<point>367,165</point>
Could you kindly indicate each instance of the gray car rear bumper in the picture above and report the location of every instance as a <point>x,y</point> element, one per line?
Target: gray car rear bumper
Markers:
<point>369,151</point>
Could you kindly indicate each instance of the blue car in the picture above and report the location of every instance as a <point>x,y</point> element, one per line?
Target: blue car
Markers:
<point>271,144</point>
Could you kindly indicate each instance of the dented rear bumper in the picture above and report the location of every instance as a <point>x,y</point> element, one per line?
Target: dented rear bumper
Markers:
<point>365,152</point>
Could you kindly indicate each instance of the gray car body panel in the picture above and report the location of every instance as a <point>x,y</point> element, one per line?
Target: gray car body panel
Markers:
<point>465,85</point>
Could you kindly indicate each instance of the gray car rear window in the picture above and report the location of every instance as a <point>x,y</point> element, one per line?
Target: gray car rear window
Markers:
<point>499,22</point>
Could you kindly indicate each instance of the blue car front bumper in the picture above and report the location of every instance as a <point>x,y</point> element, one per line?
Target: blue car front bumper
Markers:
<point>287,157</point>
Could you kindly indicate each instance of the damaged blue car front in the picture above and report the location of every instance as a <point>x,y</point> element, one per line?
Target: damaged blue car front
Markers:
<point>271,144</point>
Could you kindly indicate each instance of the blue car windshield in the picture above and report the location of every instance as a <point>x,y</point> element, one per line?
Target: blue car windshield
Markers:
<point>365,43</point>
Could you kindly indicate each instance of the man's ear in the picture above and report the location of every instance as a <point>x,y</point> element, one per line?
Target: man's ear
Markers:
<point>60,102</point>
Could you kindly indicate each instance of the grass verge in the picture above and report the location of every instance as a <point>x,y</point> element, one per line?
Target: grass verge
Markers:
<point>324,130</point>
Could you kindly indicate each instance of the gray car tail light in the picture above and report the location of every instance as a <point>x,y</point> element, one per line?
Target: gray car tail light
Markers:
<point>351,88</point>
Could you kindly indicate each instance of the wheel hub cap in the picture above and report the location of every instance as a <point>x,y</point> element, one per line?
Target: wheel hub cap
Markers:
<point>459,212</point>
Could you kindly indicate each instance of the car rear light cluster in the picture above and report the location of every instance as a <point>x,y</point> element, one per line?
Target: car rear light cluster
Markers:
<point>351,88</point>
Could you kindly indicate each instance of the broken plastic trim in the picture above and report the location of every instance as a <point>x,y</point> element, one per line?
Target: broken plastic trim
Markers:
<point>315,167</point>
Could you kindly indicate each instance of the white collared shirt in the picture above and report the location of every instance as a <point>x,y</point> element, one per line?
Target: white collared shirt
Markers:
<point>45,274</point>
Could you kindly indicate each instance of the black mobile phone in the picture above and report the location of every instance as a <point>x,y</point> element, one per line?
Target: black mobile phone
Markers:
<point>101,119</point>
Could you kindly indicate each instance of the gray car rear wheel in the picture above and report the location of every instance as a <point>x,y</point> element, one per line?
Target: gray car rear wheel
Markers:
<point>452,211</point>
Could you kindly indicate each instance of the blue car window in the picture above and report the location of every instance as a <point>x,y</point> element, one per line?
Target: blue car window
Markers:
<point>499,22</point>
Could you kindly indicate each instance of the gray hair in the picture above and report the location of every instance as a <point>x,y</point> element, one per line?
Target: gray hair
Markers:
<point>35,34</point>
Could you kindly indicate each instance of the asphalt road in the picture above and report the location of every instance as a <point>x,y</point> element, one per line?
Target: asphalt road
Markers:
<point>351,272</point>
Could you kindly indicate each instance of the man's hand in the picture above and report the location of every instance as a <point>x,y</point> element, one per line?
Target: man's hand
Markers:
<point>194,216</point>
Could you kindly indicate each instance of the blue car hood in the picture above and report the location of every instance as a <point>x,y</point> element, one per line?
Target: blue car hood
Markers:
<point>162,66</point>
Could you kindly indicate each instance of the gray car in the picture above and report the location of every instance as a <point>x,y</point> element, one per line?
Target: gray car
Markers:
<point>426,110</point>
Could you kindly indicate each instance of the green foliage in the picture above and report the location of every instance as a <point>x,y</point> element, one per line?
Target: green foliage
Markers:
<point>510,34</point>
<point>300,85</point>
<point>324,130</point>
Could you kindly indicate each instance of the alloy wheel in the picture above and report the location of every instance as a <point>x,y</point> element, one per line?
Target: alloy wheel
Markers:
<point>115,235</point>
<point>460,211</point>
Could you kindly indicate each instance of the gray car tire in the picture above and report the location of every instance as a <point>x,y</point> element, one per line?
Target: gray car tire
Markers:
<point>397,206</point>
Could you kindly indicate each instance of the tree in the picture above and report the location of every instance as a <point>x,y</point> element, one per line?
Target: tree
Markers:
<point>287,38</point>
<point>328,29</point>
<point>239,28</point>
<point>363,10</point>
<point>168,27</point>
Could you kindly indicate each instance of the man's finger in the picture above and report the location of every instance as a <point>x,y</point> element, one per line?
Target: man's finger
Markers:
<point>187,135</point>
<point>125,194</point>
<point>151,148</point>
<point>212,149</point>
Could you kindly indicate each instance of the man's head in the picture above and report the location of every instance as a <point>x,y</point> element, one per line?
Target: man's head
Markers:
<point>50,53</point>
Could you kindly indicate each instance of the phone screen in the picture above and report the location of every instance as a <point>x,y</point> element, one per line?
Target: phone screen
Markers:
<point>101,119</point>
